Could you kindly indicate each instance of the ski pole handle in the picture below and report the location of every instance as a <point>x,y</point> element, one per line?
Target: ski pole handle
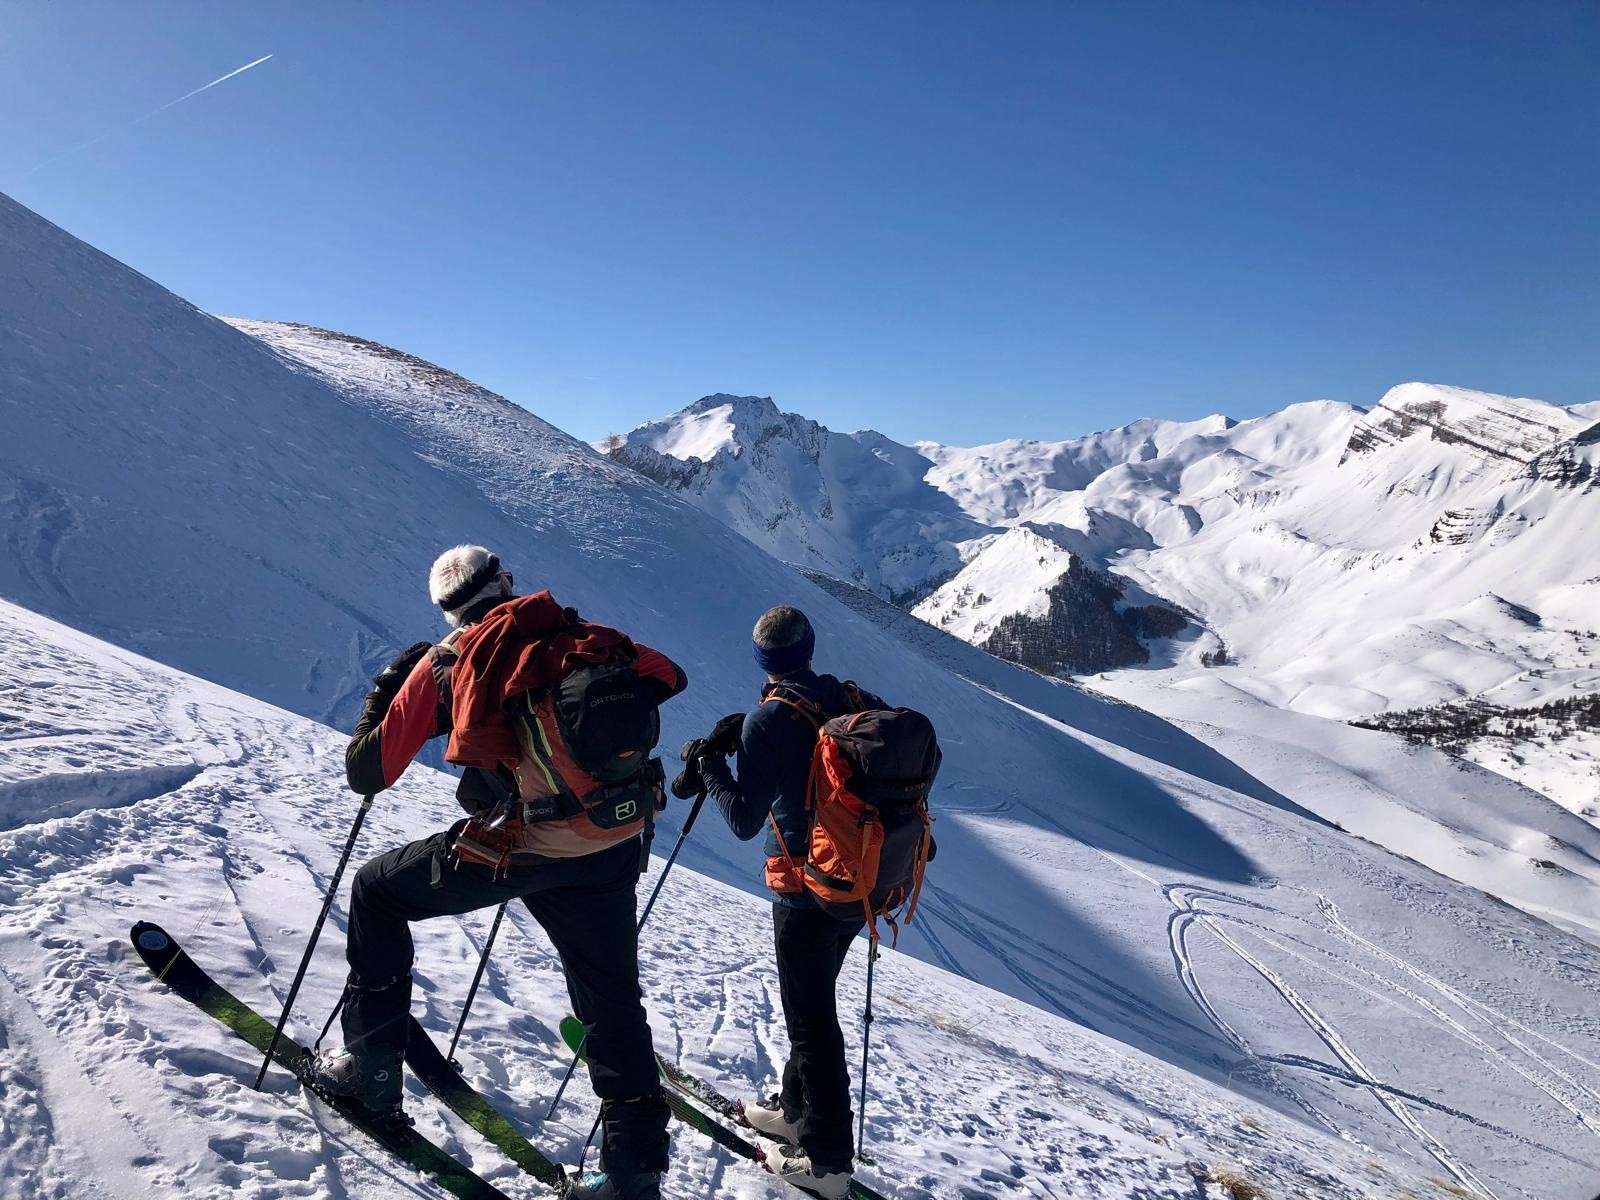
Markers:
<point>316,932</point>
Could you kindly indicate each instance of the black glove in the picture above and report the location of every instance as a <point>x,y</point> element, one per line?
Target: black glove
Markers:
<point>723,739</point>
<point>387,682</point>
<point>689,782</point>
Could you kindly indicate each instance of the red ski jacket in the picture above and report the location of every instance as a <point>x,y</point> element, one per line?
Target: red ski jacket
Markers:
<point>461,686</point>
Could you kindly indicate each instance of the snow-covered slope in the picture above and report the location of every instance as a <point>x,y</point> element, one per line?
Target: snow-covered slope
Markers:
<point>1431,555</point>
<point>220,816</point>
<point>276,507</point>
<point>1012,480</point>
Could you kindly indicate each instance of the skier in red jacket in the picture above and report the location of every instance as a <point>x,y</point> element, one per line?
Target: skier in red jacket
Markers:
<point>540,830</point>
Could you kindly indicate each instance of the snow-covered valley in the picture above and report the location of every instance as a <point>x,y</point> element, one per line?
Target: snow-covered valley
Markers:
<point>1146,950</point>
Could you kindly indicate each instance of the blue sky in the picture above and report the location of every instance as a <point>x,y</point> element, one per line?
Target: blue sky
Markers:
<point>951,221</point>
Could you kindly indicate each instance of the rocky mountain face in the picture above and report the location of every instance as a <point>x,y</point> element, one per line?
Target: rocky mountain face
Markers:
<point>903,521</point>
<point>855,505</point>
<point>1079,630</point>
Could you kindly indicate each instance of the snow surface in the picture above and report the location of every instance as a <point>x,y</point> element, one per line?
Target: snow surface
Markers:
<point>113,1087</point>
<point>1200,945</point>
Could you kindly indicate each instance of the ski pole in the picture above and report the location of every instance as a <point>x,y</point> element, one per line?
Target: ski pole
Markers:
<point>316,932</point>
<point>472,992</point>
<point>866,1037</point>
<point>688,824</point>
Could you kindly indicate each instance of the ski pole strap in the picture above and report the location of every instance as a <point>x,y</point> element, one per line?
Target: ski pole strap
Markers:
<point>333,1016</point>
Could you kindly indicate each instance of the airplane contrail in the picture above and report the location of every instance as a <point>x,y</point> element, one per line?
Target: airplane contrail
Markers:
<point>198,90</point>
<point>154,112</point>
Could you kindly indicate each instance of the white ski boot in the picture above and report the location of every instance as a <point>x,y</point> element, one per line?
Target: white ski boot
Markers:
<point>767,1117</point>
<point>793,1165</point>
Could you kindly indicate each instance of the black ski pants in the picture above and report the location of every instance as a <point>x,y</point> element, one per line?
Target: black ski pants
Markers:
<point>811,949</point>
<point>587,908</point>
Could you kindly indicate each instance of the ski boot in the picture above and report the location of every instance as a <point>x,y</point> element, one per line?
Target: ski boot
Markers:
<point>768,1117</point>
<point>793,1165</point>
<point>371,1081</point>
<point>614,1185</point>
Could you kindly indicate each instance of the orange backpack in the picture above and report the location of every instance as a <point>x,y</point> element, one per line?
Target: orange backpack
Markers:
<point>869,835</point>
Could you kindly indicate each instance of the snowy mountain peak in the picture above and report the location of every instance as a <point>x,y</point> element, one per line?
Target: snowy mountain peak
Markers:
<point>854,505</point>
<point>725,424</point>
<point>1512,429</point>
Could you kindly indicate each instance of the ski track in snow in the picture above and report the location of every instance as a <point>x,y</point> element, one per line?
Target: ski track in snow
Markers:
<point>1189,913</point>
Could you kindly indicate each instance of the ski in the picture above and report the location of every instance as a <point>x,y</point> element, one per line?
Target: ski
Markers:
<point>172,966</point>
<point>682,1093</point>
<point>701,1091</point>
<point>682,1108</point>
<point>436,1073</point>
<point>572,1035</point>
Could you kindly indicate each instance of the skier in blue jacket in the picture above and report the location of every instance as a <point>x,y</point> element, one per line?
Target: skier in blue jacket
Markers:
<point>766,789</point>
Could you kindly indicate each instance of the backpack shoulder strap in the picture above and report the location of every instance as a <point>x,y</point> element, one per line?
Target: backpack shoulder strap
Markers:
<point>442,661</point>
<point>777,693</point>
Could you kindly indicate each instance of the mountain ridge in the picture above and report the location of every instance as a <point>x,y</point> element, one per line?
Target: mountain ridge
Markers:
<point>1259,533</point>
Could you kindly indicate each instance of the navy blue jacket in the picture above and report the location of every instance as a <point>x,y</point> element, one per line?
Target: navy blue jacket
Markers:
<point>774,765</point>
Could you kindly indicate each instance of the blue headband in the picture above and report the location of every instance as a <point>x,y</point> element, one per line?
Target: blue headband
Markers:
<point>780,660</point>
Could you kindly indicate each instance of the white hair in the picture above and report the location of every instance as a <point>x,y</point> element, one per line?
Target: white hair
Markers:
<point>452,569</point>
